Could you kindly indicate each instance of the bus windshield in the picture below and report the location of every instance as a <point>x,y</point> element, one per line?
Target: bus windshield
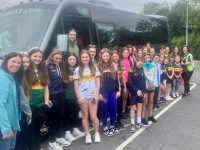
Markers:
<point>23,28</point>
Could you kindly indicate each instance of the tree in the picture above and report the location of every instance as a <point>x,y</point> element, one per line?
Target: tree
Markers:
<point>176,14</point>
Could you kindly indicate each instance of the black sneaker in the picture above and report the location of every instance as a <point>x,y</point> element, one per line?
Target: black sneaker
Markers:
<point>124,116</point>
<point>185,94</point>
<point>120,126</point>
<point>115,130</point>
<point>132,129</point>
<point>144,122</point>
<point>151,118</point>
<point>108,132</point>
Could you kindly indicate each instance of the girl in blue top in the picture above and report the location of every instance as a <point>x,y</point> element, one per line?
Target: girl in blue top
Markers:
<point>109,90</point>
<point>57,77</point>
<point>10,79</point>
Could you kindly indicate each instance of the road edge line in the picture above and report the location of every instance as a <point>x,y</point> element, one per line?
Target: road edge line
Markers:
<point>132,137</point>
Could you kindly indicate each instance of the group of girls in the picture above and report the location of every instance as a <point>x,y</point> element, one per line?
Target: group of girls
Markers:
<point>55,90</point>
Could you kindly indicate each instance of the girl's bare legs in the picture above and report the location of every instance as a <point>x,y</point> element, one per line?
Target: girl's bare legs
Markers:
<point>150,100</point>
<point>84,108</point>
<point>132,114</point>
<point>93,116</point>
<point>144,105</point>
<point>125,96</point>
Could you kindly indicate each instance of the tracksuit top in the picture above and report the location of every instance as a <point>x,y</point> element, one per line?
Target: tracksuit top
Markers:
<point>108,83</point>
<point>136,80</point>
<point>56,80</point>
<point>150,73</point>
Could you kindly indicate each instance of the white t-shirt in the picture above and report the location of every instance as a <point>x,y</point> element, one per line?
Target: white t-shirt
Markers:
<point>87,84</point>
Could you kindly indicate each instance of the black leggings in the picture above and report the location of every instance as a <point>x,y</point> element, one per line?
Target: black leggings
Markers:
<point>56,116</point>
<point>120,105</point>
<point>22,136</point>
<point>71,114</point>
<point>186,77</point>
<point>34,137</point>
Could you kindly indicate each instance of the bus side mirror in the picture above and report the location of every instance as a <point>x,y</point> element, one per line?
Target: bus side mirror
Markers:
<point>62,42</point>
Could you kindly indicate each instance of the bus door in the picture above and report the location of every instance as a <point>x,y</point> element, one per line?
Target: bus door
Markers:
<point>83,28</point>
<point>78,16</point>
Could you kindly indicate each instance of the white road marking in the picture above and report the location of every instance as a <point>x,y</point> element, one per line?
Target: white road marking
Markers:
<point>132,137</point>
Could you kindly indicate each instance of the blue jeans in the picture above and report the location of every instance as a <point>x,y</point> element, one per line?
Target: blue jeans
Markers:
<point>8,144</point>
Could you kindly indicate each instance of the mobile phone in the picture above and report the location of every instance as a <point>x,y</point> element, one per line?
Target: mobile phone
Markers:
<point>50,104</point>
<point>93,101</point>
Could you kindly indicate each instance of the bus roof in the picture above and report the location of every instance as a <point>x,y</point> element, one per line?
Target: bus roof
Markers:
<point>56,3</point>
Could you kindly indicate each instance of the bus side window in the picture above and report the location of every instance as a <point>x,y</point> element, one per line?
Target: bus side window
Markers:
<point>107,35</point>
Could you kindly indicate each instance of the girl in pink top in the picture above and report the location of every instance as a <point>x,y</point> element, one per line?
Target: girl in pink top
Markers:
<point>126,62</point>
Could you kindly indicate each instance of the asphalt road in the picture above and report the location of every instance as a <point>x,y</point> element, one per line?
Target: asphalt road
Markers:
<point>177,128</point>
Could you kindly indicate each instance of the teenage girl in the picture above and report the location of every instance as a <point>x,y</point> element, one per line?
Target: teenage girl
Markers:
<point>39,100</point>
<point>137,89</point>
<point>86,85</point>
<point>57,77</point>
<point>170,73</point>
<point>109,91</point>
<point>127,63</point>
<point>163,85</point>
<point>176,77</point>
<point>120,69</point>
<point>26,113</point>
<point>151,82</point>
<point>71,105</point>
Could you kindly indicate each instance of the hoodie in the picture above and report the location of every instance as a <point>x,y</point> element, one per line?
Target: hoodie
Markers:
<point>56,80</point>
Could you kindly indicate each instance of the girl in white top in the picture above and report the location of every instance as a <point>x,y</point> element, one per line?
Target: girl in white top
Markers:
<point>86,85</point>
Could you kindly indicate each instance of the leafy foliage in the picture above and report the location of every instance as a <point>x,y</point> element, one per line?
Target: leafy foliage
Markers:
<point>176,14</point>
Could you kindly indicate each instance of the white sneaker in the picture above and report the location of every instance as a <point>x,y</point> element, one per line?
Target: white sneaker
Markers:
<point>97,138</point>
<point>63,142</point>
<point>168,98</point>
<point>173,95</point>
<point>80,115</point>
<point>54,146</point>
<point>77,133</point>
<point>69,136</point>
<point>88,139</point>
<point>177,95</point>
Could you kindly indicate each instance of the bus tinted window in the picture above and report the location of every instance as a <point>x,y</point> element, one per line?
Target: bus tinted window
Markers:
<point>107,35</point>
<point>23,28</point>
<point>154,30</point>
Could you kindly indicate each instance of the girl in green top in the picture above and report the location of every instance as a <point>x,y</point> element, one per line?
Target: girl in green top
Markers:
<point>71,105</point>
<point>39,100</point>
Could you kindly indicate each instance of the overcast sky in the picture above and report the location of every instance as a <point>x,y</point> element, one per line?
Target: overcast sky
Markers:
<point>134,5</point>
<point>129,5</point>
